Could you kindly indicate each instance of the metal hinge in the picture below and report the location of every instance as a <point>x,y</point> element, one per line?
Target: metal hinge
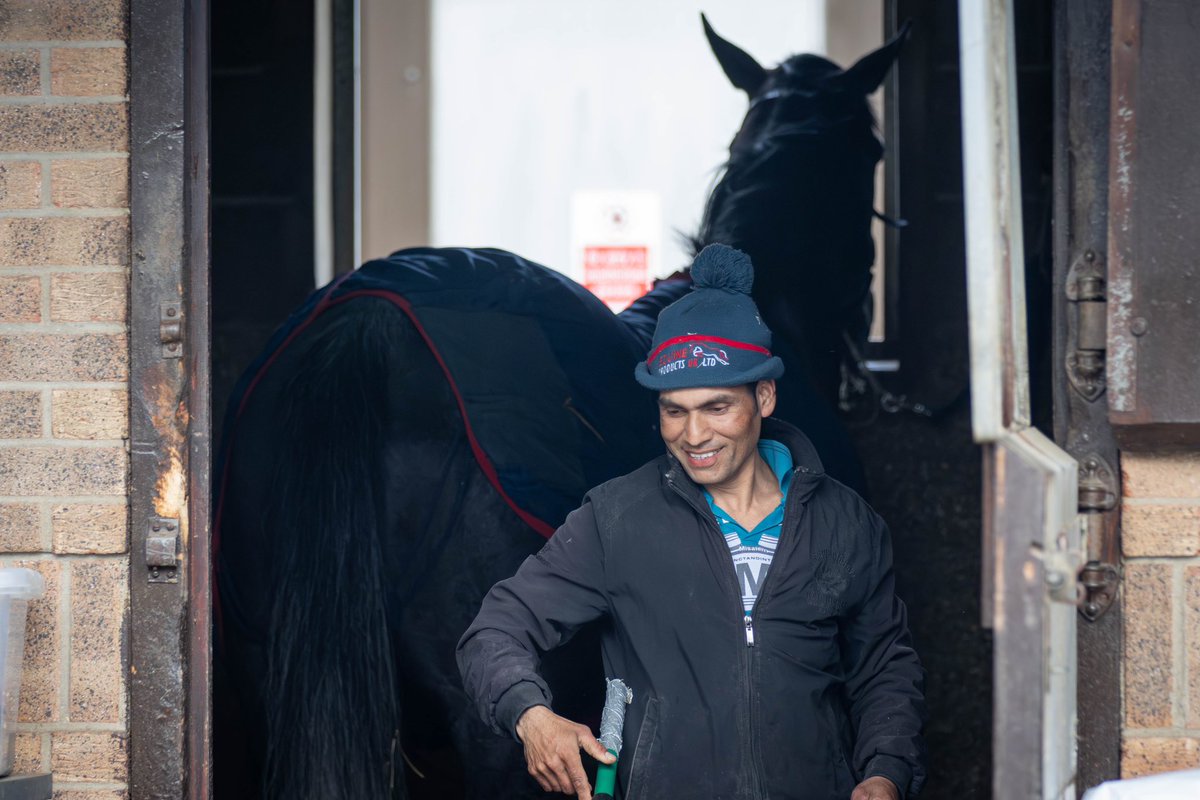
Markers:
<point>1085,288</point>
<point>170,329</point>
<point>1097,497</point>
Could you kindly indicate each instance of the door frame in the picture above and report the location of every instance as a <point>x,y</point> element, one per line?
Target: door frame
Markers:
<point>170,417</point>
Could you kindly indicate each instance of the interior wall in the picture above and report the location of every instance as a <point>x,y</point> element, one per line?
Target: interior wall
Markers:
<point>395,93</point>
<point>533,101</point>
<point>262,177</point>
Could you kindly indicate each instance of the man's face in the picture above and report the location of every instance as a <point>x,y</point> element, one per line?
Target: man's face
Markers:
<point>714,431</point>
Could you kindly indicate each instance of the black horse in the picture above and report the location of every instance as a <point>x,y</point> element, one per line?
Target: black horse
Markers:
<point>411,434</point>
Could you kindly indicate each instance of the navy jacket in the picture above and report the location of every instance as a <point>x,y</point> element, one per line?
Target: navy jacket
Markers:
<point>821,689</point>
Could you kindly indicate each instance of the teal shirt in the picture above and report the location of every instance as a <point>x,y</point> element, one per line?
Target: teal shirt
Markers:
<point>752,551</point>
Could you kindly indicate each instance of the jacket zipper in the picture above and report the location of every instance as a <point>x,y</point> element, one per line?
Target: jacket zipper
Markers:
<point>748,650</point>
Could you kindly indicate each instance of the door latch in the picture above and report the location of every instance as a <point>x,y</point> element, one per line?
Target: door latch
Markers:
<point>170,329</point>
<point>162,550</point>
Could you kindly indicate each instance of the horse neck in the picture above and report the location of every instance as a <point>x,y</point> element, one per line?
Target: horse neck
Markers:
<point>807,228</point>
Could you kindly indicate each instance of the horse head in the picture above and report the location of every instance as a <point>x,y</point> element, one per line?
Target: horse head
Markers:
<point>797,195</point>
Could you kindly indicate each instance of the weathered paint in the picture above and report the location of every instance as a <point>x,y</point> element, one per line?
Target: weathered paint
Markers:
<point>1153,364</point>
<point>168,396</point>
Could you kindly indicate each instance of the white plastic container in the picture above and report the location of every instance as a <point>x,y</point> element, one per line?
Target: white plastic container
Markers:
<point>17,587</point>
<point>1181,785</point>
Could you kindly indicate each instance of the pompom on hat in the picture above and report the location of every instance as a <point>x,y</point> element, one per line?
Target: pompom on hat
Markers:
<point>714,335</point>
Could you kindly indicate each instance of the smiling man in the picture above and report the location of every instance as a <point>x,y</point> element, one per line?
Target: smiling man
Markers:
<point>749,597</point>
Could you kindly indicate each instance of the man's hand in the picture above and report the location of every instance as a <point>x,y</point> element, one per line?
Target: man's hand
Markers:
<point>877,788</point>
<point>552,746</point>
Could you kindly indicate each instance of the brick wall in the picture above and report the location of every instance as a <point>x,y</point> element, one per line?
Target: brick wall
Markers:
<point>64,242</point>
<point>1161,542</point>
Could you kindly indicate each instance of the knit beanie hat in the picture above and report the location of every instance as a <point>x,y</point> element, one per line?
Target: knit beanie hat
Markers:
<point>714,335</point>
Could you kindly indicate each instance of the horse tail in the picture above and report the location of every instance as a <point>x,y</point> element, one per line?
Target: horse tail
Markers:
<point>330,701</point>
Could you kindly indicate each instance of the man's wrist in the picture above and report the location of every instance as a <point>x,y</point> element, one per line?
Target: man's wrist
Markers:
<point>896,770</point>
<point>519,698</point>
<point>529,716</point>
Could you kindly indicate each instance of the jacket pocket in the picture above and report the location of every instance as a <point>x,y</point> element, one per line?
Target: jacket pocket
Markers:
<point>639,767</point>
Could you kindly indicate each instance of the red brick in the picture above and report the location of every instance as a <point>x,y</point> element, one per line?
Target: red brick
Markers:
<point>27,754</point>
<point>1150,756</point>
<point>64,357</point>
<point>20,71</point>
<point>20,528</point>
<point>66,20</point>
<point>41,674</point>
<point>90,794</point>
<point>90,413</point>
<point>20,415</point>
<point>28,471</point>
<point>88,297</point>
<point>99,604</point>
<point>64,128</point>
<point>83,241</point>
<point>1191,640</point>
<point>87,71</point>
<point>1149,671</point>
<point>87,756</point>
<point>20,185</point>
<point>21,299</point>
<point>1166,475</point>
<point>90,183</point>
<point>1160,530</point>
<point>89,528</point>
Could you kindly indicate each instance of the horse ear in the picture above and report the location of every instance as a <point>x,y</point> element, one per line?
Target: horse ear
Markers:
<point>869,71</point>
<point>740,67</point>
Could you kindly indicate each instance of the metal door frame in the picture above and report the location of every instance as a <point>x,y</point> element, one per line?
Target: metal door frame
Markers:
<point>1082,38</point>
<point>1032,547</point>
<point>170,425</point>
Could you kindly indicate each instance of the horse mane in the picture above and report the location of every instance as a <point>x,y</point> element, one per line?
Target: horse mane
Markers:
<point>746,186</point>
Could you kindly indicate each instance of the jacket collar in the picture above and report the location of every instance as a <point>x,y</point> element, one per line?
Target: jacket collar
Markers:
<point>807,470</point>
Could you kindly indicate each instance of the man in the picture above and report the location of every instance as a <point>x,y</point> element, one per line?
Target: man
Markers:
<point>748,597</point>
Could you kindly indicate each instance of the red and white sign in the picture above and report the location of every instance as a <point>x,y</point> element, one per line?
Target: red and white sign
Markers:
<point>616,237</point>
<point>617,275</point>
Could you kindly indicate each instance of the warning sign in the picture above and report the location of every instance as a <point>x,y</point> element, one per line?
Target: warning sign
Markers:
<point>615,243</point>
<point>617,275</point>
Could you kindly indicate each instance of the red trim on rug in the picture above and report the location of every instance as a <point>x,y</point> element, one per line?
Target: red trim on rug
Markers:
<point>714,339</point>
<point>540,526</point>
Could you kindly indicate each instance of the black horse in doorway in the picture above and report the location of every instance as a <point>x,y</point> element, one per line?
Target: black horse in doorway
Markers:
<point>410,435</point>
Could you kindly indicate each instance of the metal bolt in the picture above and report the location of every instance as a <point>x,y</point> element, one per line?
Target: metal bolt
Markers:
<point>1139,326</point>
<point>170,526</point>
<point>1055,579</point>
<point>172,347</point>
<point>1090,255</point>
<point>1092,608</point>
<point>172,312</point>
<point>154,572</point>
<point>156,527</point>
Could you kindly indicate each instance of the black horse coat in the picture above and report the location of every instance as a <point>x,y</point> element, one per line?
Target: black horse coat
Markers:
<point>534,361</point>
<point>819,691</point>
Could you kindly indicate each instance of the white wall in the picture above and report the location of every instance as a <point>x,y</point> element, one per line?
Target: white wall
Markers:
<point>535,99</point>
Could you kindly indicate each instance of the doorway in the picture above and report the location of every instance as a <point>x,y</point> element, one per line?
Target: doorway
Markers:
<point>924,472</point>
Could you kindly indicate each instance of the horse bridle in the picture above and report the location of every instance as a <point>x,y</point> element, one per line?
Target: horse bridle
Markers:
<point>777,94</point>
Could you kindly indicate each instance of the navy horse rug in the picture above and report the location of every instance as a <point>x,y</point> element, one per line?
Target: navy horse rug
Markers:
<point>541,369</point>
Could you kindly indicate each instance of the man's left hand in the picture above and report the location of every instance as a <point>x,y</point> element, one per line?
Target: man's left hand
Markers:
<point>877,788</point>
